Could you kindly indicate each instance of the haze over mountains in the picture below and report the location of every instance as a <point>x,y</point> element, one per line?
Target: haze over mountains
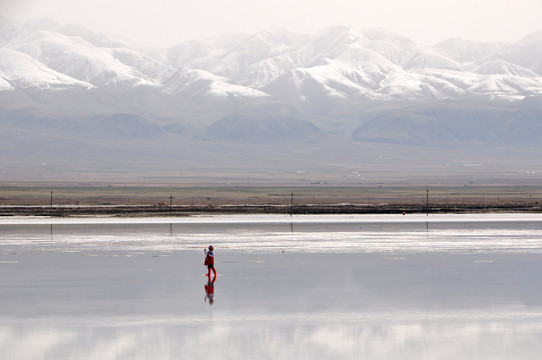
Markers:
<point>343,105</point>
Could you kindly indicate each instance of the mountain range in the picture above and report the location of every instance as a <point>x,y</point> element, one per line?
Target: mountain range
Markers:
<point>344,104</point>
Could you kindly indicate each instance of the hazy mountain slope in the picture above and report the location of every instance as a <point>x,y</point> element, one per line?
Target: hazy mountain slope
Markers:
<point>339,98</point>
<point>81,60</point>
<point>18,70</point>
<point>468,51</point>
<point>455,124</point>
<point>200,83</point>
<point>374,63</point>
<point>527,52</point>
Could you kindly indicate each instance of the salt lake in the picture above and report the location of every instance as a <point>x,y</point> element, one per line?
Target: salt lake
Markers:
<point>302,287</point>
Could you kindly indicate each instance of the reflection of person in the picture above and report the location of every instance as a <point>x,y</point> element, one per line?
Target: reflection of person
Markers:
<point>210,262</point>
<point>210,292</point>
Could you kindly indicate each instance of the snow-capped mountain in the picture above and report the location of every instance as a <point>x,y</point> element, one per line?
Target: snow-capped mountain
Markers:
<point>370,63</point>
<point>339,86</point>
<point>201,83</point>
<point>20,70</point>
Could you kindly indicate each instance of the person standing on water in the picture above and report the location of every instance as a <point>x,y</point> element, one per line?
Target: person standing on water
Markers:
<point>210,261</point>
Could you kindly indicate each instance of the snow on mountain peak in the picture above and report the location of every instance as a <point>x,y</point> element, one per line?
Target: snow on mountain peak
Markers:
<point>23,71</point>
<point>339,62</point>
<point>429,60</point>
<point>467,51</point>
<point>503,67</point>
<point>77,58</point>
<point>5,85</point>
<point>198,83</point>
<point>527,52</point>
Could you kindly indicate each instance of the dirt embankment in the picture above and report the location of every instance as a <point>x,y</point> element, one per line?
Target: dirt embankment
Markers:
<point>185,201</point>
<point>157,210</point>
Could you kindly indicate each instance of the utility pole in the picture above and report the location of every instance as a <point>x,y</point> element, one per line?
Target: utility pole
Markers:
<point>170,203</point>
<point>51,204</point>
<point>427,202</point>
<point>292,205</point>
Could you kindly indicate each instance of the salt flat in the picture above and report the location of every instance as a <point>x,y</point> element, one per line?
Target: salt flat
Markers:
<point>292,288</point>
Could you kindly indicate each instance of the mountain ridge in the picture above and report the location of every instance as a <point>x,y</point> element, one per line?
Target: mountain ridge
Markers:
<point>303,97</point>
<point>107,61</point>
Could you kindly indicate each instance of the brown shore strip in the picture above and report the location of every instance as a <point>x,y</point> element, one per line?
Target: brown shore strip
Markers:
<point>130,200</point>
<point>149,210</point>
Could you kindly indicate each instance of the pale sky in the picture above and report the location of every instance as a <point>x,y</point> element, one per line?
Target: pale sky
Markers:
<point>168,22</point>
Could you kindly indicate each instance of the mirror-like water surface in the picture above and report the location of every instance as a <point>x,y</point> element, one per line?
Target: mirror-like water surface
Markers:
<point>314,287</point>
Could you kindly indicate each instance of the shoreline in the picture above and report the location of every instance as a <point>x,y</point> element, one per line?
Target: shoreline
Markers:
<point>130,200</point>
<point>302,209</point>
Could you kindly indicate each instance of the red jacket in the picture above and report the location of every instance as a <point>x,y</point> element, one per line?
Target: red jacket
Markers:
<point>210,258</point>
